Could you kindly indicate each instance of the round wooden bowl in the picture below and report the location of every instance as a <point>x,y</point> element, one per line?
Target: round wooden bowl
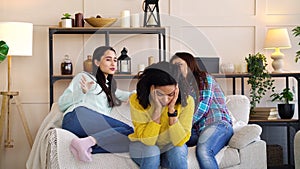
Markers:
<point>100,22</point>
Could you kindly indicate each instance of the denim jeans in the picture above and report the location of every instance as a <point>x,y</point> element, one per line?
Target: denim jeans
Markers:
<point>209,142</point>
<point>151,157</point>
<point>111,134</point>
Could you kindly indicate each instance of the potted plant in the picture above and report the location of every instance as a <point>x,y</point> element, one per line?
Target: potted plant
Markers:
<point>66,21</point>
<point>259,78</point>
<point>285,109</point>
<point>296,32</point>
<point>3,50</point>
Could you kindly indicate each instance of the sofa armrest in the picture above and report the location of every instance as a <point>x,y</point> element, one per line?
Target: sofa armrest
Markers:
<point>245,135</point>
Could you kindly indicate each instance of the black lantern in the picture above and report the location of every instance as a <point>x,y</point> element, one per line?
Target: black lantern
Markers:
<point>151,13</point>
<point>124,62</point>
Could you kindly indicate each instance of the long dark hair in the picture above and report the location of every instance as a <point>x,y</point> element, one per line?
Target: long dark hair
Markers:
<point>161,74</point>
<point>101,80</point>
<point>194,70</point>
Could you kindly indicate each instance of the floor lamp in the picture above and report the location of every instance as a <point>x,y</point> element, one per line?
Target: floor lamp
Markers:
<point>18,37</point>
<point>277,38</point>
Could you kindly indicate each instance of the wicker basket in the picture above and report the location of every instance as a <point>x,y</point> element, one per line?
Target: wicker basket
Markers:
<point>100,22</point>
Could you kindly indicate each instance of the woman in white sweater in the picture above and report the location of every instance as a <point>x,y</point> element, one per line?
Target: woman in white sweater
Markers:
<point>87,104</point>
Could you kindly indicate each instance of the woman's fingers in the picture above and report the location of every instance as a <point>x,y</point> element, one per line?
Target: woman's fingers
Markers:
<point>85,85</point>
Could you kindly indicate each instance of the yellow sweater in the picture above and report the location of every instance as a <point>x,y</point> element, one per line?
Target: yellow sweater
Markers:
<point>151,133</point>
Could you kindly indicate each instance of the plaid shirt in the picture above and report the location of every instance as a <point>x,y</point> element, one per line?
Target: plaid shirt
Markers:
<point>211,106</point>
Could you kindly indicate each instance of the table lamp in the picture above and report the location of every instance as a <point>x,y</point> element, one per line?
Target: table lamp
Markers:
<point>277,38</point>
<point>18,37</point>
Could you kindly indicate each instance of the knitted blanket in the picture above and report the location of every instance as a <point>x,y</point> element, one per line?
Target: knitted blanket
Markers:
<point>38,155</point>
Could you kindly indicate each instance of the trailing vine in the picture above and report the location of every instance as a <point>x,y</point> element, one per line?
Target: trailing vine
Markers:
<point>259,79</point>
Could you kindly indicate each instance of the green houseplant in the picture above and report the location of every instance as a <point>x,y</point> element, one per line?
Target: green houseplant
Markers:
<point>259,78</point>
<point>66,16</point>
<point>285,109</point>
<point>3,50</point>
<point>66,20</point>
<point>296,32</point>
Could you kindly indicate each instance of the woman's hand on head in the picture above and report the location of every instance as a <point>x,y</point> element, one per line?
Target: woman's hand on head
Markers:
<point>85,85</point>
<point>154,100</point>
<point>173,101</point>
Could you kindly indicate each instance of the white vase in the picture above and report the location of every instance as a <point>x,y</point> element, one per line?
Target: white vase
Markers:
<point>227,68</point>
<point>66,23</point>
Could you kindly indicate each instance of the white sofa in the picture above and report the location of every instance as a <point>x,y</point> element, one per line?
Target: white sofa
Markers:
<point>297,150</point>
<point>245,149</point>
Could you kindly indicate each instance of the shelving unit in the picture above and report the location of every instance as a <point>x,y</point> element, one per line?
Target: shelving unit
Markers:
<point>160,31</point>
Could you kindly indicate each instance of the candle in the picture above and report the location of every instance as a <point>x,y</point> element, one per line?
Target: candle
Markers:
<point>124,67</point>
<point>150,60</point>
<point>125,19</point>
<point>141,67</point>
<point>135,20</point>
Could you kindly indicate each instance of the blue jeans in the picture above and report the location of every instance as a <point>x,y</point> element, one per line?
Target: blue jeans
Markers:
<point>151,157</point>
<point>209,142</point>
<point>111,134</point>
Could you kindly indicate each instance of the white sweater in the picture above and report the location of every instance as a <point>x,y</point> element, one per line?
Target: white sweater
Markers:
<point>94,99</point>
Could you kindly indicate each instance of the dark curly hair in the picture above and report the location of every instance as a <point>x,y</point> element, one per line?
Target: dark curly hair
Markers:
<point>161,74</point>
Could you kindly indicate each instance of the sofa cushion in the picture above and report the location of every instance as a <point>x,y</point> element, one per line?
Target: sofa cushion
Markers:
<point>239,106</point>
<point>122,113</point>
<point>245,136</point>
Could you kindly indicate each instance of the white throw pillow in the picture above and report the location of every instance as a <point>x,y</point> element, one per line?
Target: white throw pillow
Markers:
<point>245,135</point>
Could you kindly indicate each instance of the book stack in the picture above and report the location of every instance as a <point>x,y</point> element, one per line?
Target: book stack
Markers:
<point>264,113</point>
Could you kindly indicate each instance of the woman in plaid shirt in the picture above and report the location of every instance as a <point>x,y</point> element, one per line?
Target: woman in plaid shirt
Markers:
<point>212,126</point>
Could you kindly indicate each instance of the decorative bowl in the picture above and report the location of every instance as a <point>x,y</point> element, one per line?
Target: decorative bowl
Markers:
<point>100,22</point>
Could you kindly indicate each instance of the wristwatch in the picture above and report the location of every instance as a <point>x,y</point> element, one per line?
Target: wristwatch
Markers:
<point>172,114</point>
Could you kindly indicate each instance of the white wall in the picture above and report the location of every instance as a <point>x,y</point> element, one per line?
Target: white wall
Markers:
<point>229,29</point>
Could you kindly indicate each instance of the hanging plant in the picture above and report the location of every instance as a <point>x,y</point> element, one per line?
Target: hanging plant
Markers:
<point>3,50</point>
<point>259,79</point>
<point>296,32</point>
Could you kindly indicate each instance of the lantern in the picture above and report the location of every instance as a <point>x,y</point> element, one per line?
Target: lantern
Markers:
<point>124,62</point>
<point>151,13</point>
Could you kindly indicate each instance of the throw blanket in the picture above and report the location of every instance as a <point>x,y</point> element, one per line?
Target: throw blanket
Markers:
<point>38,155</point>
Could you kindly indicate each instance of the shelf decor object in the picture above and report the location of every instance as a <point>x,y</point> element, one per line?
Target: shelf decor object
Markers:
<point>18,36</point>
<point>66,67</point>
<point>125,19</point>
<point>100,22</point>
<point>151,13</point>
<point>66,21</point>
<point>124,63</point>
<point>277,38</point>
<point>88,64</point>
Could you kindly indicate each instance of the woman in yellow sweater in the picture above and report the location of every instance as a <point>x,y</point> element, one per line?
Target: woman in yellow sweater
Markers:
<point>161,113</point>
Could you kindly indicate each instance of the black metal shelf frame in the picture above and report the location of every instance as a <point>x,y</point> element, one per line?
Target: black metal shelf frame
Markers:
<point>160,31</point>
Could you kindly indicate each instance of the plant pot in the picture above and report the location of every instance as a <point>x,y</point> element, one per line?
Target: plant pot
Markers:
<point>66,23</point>
<point>286,111</point>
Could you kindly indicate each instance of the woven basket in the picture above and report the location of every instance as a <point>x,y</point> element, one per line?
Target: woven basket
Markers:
<point>100,22</point>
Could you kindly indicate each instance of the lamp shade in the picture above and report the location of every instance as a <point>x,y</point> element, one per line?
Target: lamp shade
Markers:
<point>277,38</point>
<point>18,37</point>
